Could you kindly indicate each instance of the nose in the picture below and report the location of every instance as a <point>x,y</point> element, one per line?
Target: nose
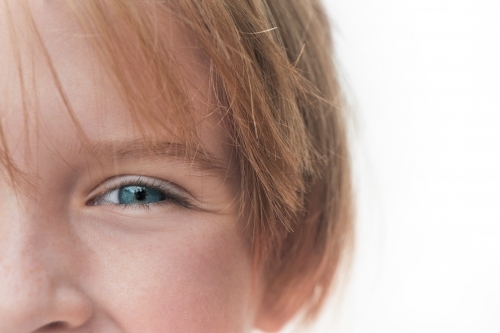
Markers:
<point>37,293</point>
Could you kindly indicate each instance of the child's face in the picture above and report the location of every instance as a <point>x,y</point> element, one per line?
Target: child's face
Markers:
<point>116,240</point>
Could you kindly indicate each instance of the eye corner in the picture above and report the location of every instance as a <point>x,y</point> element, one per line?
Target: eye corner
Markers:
<point>91,202</point>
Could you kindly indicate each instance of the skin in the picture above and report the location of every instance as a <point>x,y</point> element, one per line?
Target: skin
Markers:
<point>70,266</point>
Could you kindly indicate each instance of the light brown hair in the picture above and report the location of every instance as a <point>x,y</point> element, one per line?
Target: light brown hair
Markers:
<point>276,88</point>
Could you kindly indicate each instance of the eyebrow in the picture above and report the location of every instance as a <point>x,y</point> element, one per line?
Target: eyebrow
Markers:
<point>196,157</point>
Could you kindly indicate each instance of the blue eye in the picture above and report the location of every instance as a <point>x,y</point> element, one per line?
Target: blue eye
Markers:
<point>142,192</point>
<point>139,195</point>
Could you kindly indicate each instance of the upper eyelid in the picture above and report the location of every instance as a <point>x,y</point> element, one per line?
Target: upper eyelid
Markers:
<point>142,180</point>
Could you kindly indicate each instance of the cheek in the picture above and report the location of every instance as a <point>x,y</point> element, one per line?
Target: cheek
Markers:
<point>195,279</point>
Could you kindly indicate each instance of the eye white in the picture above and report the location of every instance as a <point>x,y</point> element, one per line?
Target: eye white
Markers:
<point>110,197</point>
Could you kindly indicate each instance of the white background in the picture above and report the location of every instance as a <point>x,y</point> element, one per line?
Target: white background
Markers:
<point>423,79</point>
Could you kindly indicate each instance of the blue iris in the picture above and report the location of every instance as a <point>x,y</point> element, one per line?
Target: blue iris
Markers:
<point>139,195</point>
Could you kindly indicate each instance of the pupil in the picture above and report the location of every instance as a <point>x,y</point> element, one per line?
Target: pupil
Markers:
<point>140,194</point>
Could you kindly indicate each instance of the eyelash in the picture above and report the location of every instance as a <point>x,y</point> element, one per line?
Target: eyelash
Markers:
<point>170,195</point>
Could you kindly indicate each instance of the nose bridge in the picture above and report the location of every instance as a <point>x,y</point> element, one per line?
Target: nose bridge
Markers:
<point>35,285</point>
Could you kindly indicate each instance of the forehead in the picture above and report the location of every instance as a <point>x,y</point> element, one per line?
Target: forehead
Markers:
<point>54,82</point>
